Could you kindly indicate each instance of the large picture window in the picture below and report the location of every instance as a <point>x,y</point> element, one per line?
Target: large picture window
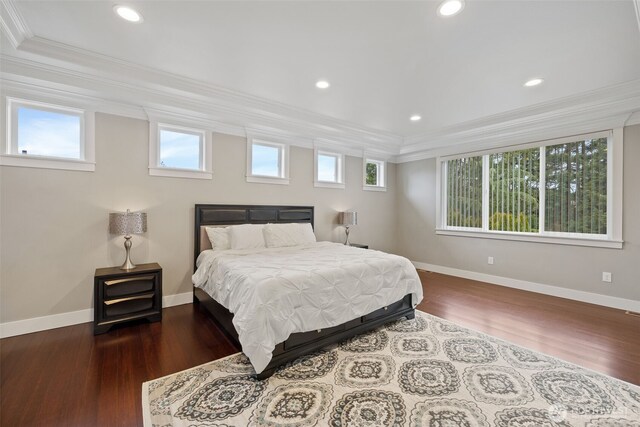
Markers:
<point>562,189</point>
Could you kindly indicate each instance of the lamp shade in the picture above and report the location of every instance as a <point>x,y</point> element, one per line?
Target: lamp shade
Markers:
<point>126,223</point>
<point>348,218</point>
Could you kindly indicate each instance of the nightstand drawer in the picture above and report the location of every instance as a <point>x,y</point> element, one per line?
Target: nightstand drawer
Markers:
<point>129,285</point>
<point>124,295</point>
<point>128,305</point>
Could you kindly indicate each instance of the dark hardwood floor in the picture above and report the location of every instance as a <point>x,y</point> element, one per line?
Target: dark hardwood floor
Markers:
<point>68,377</point>
<point>602,339</point>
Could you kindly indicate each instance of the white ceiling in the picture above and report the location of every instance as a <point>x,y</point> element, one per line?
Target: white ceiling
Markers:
<point>385,60</point>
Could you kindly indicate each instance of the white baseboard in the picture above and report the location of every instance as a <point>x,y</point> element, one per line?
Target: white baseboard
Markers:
<point>177,299</point>
<point>26,326</point>
<point>556,291</point>
<point>36,324</point>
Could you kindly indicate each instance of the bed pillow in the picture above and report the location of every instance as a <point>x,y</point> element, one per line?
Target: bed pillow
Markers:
<point>219,238</point>
<point>282,235</point>
<point>246,236</point>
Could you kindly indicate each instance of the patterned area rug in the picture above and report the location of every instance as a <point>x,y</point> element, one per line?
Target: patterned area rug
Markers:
<point>420,372</point>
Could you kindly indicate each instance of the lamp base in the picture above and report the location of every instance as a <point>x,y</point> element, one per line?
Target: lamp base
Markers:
<point>128,265</point>
<point>346,242</point>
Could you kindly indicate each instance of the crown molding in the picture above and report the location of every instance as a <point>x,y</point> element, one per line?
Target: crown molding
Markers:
<point>191,119</point>
<point>59,95</point>
<point>600,109</point>
<point>131,83</point>
<point>328,145</point>
<point>13,24</point>
<point>279,137</point>
<point>44,67</point>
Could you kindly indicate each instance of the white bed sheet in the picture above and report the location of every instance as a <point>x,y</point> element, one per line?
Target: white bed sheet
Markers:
<point>274,292</point>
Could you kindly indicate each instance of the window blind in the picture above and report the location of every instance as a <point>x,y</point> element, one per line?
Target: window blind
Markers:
<point>576,187</point>
<point>464,192</point>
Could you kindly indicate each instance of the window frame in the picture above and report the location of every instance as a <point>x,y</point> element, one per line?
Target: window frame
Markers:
<point>381,185</point>
<point>10,155</point>
<point>613,238</point>
<point>283,162</point>
<point>340,168</point>
<point>205,151</point>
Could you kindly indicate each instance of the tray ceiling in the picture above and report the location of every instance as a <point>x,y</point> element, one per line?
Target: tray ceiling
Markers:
<point>385,60</point>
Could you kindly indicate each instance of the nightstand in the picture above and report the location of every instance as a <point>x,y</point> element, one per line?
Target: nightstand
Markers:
<point>124,295</point>
<point>358,245</point>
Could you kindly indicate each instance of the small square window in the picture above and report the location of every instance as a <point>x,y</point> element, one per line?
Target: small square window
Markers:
<point>329,169</point>
<point>180,149</point>
<point>49,133</point>
<point>179,152</point>
<point>374,175</point>
<point>48,136</point>
<point>267,162</point>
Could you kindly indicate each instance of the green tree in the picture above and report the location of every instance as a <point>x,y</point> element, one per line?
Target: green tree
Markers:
<point>576,187</point>
<point>372,174</point>
<point>514,190</point>
<point>575,178</point>
<point>464,192</point>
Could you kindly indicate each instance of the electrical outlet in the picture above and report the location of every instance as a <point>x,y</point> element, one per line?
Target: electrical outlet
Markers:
<point>490,260</point>
<point>606,276</point>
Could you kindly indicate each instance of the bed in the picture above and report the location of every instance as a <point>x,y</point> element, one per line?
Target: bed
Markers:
<point>272,331</point>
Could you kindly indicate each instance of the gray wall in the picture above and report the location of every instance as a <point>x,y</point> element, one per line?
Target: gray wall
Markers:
<point>573,267</point>
<point>54,223</point>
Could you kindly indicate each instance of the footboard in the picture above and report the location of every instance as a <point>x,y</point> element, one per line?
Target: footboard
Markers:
<point>302,343</point>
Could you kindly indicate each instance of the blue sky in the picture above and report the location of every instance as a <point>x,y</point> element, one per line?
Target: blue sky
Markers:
<point>327,168</point>
<point>44,133</point>
<point>264,160</point>
<point>179,150</point>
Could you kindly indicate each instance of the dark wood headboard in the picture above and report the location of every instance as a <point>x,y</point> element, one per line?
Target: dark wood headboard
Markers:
<point>246,214</point>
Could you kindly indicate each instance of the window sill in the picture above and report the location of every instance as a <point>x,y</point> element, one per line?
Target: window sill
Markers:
<point>180,173</point>
<point>46,163</point>
<point>598,243</point>
<point>267,180</point>
<point>327,184</point>
<point>373,188</point>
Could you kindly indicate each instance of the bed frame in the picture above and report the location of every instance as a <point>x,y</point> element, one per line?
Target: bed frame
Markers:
<point>297,344</point>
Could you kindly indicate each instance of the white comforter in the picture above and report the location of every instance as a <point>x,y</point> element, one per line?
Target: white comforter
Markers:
<point>278,291</point>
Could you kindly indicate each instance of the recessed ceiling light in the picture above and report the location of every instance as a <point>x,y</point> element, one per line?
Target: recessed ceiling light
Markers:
<point>534,82</point>
<point>322,84</point>
<point>127,13</point>
<point>450,7</point>
<point>415,118</point>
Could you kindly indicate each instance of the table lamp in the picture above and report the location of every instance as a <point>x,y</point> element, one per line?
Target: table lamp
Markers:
<point>125,224</point>
<point>348,219</point>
